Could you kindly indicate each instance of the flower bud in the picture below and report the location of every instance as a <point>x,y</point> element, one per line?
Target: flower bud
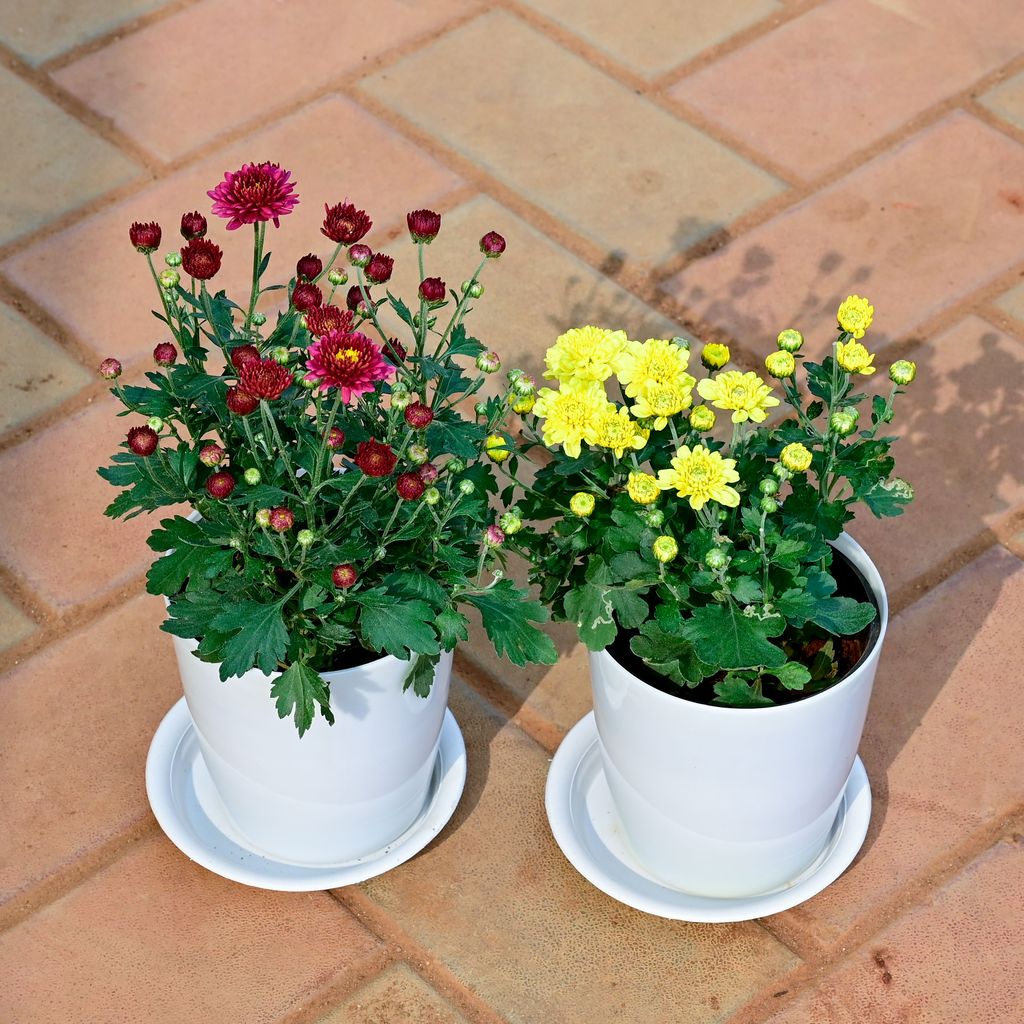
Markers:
<point>474,290</point>
<point>523,404</point>
<point>511,522</point>
<point>466,487</point>
<point>902,372</point>
<point>280,354</point>
<point>769,485</point>
<point>344,576</point>
<point>781,472</point>
<point>308,382</point>
<point>309,266</point>
<point>169,279</point>
<point>252,476</point>
<point>259,319</point>
<point>263,517</point>
<point>780,364</point>
<point>714,356</point>
<point>432,289</point>
<point>359,255</point>
<point>419,416</point>
<point>155,423</point>
<point>843,422</point>
<point>337,278</point>
<point>431,496</point>
<point>702,417</point>
<point>400,399</point>
<point>769,504</point>
<point>665,548</point>
<point>211,455</point>
<point>496,448</point>
<point>455,465</point>
<point>220,485</point>
<point>110,369</point>
<point>335,438</point>
<point>165,354</point>
<point>281,519</point>
<point>795,457</point>
<point>488,362</point>
<point>480,408</point>
<point>494,536</point>
<point>716,559</point>
<point>143,441</point>
<point>790,340</point>
<point>654,518</point>
<point>523,384</point>
<point>173,259</point>
<point>428,472</point>
<point>582,504</point>
<point>417,454</point>
<point>492,245</point>
<point>305,538</point>
<point>423,225</point>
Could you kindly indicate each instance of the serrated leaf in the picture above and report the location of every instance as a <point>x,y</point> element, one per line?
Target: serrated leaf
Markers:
<point>399,627</point>
<point>738,693</point>
<point>792,675</point>
<point>259,637</point>
<point>400,308</point>
<point>298,691</point>
<point>590,607</point>
<point>669,654</point>
<point>814,602</point>
<point>726,638</point>
<point>421,676</point>
<point>746,590</point>
<point>463,345</point>
<point>630,608</point>
<point>453,627</point>
<point>508,616</point>
<point>413,584</point>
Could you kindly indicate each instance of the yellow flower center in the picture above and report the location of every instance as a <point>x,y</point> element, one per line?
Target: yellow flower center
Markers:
<point>347,355</point>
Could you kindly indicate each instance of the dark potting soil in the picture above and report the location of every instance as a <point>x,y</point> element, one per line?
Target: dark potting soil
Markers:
<point>805,646</point>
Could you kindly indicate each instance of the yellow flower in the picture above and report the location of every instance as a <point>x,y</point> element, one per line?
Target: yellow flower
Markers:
<point>658,402</point>
<point>497,448</point>
<point>855,315</point>
<point>702,476</point>
<point>618,431</point>
<point>643,488</point>
<point>902,372</point>
<point>795,457</point>
<point>853,357</point>
<point>582,504</point>
<point>714,356</point>
<point>585,353</point>
<point>665,548</point>
<point>780,364</point>
<point>654,361</point>
<point>702,418</point>
<point>572,414</point>
<point>790,340</point>
<point>745,394</point>
<point>523,404</point>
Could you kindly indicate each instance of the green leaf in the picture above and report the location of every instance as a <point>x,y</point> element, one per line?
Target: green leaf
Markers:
<point>746,590</point>
<point>792,675</point>
<point>814,603</point>
<point>726,638</point>
<point>191,555</point>
<point>462,345</point>
<point>630,608</point>
<point>413,584</point>
<point>508,616</point>
<point>669,654</point>
<point>590,606</point>
<point>738,693</point>
<point>888,497</point>
<point>458,437</point>
<point>259,637</point>
<point>301,690</point>
<point>398,627</point>
<point>421,676</point>
<point>452,626</point>
<point>400,308</point>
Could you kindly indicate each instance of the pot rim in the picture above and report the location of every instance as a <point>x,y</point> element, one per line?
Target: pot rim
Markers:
<point>861,561</point>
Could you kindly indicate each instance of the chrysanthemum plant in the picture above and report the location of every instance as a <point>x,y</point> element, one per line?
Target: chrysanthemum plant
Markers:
<point>707,557</point>
<point>344,502</point>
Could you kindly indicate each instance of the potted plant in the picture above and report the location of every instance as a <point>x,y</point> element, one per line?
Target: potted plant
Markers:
<point>733,627</point>
<point>342,525</point>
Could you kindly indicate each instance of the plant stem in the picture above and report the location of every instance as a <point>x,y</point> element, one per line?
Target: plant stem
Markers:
<point>259,229</point>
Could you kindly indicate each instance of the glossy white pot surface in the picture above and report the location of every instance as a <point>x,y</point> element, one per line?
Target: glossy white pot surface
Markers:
<point>340,792</point>
<point>731,802</point>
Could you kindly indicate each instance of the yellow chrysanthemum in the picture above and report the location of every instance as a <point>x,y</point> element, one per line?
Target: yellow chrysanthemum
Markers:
<point>702,418</point>
<point>497,448</point>
<point>643,487</point>
<point>855,315</point>
<point>571,415</point>
<point>618,431</point>
<point>582,504</point>
<point>796,457</point>
<point>654,361</point>
<point>853,357</point>
<point>659,402</point>
<point>714,356</point>
<point>585,353</point>
<point>702,476</point>
<point>780,364</point>
<point>745,394</point>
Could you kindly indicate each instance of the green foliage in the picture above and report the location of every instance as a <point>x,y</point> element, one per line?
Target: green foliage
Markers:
<point>508,617</point>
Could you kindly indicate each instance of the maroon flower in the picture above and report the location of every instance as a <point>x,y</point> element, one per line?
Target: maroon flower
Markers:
<point>264,379</point>
<point>240,402</point>
<point>395,351</point>
<point>344,224</point>
<point>419,416</point>
<point>360,255</point>
<point>410,486</point>
<point>492,245</point>
<point>423,225</point>
<point>143,440</point>
<point>354,300</point>
<point>165,354</point>
<point>244,354</point>
<point>145,237</point>
<point>211,454</point>
<point>344,576</point>
<point>428,472</point>
<point>306,296</point>
<point>379,269</point>
<point>324,319</point>
<point>281,519</point>
<point>374,458</point>
<point>201,258</point>
<point>335,438</point>
<point>253,194</point>
<point>110,369</point>
<point>432,289</point>
<point>220,485</point>
<point>348,361</point>
<point>309,266</point>
<point>193,225</point>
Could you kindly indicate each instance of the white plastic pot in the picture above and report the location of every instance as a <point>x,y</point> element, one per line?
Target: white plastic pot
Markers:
<point>731,802</point>
<point>340,792</point>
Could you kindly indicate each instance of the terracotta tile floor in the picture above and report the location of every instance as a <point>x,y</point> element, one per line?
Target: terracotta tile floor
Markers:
<point>676,166</point>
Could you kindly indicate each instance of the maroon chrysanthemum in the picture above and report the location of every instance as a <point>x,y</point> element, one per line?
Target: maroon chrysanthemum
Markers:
<point>143,440</point>
<point>324,319</point>
<point>281,519</point>
<point>253,194</point>
<point>375,459</point>
<point>344,576</point>
<point>419,416</point>
<point>243,354</point>
<point>211,454</point>
<point>335,438</point>
<point>201,258</point>
<point>165,354</point>
<point>110,369</point>
<point>240,402</point>
<point>193,225</point>
<point>145,236</point>
<point>432,289</point>
<point>344,224</point>
<point>410,486</point>
<point>423,225</point>
<point>264,379</point>
<point>378,271</point>
<point>220,485</point>
<point>492,245</point>
<point>309,266</point>
<point>348,361</point>
<point>354,300</point>
<point>306,296</point>
<point>395,351</point>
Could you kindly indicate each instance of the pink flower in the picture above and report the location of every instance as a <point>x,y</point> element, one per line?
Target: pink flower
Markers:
<point>254,193</point>
<point>346,360</point>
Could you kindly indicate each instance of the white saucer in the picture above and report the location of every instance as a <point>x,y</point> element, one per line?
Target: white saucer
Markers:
<point>189,811</point>
<point>586,826</point>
